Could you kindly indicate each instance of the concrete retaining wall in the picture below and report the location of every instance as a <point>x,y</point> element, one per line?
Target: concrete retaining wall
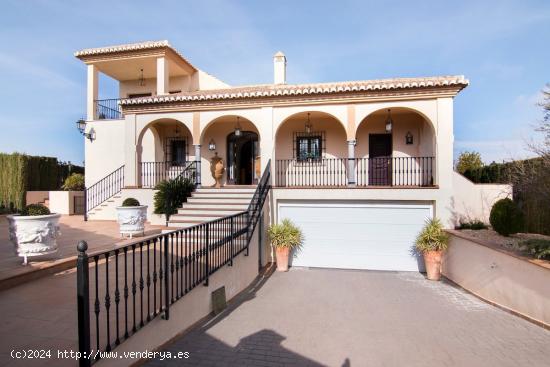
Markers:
<point>512,282</point>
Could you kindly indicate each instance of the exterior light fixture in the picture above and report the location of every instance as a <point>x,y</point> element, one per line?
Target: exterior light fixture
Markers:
<point>141,80</point>
<point>389,122</point>
<point>212,145</point>
<point>408,138</point>
<point>308,124</point>
<point>81,126</point>
<point>238,130</point>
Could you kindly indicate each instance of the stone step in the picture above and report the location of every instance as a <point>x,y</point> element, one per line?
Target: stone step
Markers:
<point>222,195</point>
<point>225,191</point>
<point>218,206</point>
<point>208,212</point>
<point>217,200</point>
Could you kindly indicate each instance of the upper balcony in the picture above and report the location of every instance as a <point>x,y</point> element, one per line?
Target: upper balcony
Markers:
<point>140,69</point>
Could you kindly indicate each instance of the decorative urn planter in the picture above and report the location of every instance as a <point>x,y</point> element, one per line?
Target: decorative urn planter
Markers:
<point>282,254</point>
<point>131,219</point>
<point>432,261</point>
<point>217,169</point>
<point>34,235</point>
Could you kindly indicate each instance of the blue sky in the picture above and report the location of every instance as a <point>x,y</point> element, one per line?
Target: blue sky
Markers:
<point>500,46</point>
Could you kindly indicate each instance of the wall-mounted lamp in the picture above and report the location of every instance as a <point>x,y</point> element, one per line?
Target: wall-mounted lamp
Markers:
<point>81,126</point>
<point>212,145</point>
<point>408,138</point>
<point>389,122</point>
<point>238,129</point>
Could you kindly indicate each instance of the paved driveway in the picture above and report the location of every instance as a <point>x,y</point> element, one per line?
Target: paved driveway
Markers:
<point>312,317</point>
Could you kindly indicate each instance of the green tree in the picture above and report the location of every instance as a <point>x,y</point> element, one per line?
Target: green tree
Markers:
<point>468,161</point>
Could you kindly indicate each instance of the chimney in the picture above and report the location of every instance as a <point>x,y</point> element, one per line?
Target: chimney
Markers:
<point>279,68</point>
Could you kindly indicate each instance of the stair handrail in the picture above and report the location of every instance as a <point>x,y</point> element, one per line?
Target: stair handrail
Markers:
<point>190,172</point>
<point>258,199</point>
<point>103,190</point>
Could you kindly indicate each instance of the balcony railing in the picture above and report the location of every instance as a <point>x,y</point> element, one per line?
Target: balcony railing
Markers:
<point>108,109</point>
<point>154,172</point>
<point>334,172</point>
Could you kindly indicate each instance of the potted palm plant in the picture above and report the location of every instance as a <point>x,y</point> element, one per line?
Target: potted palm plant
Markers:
<point>285,237</point>
<point>431,242</point>
<point>131,217</point>
<point>34,232</point>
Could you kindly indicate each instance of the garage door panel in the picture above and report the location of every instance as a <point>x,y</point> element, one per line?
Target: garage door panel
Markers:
<point>357,236</point>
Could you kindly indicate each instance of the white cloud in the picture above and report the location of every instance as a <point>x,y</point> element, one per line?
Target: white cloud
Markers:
<point>38,73</point>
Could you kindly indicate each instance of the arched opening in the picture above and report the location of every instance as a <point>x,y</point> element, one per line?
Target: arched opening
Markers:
<point>164,151</point>
<point>402,154</point>
<point>235,140</point>
<point>311,149</point>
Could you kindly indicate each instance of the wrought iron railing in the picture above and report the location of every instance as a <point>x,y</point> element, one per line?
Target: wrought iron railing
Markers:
<point>103,190</point>
<point>121,290</point>
<point>312,172</point>
<point>108,109</point>
<point>259,197</point>
<point>395,171</point>
<point>154,172</point>
<point>335,172</point>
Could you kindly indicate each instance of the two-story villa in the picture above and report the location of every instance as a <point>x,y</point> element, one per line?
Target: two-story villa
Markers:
<point>358,165</point>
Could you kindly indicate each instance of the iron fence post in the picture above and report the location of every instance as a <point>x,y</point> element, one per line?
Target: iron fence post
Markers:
<point>232,233</point>
<point>85,205</point>
<point>83,305</point>
<point>207,260</point>
<point>166,280</point>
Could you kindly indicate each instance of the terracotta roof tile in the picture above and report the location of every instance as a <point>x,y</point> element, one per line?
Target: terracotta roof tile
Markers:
<point>272,90</point>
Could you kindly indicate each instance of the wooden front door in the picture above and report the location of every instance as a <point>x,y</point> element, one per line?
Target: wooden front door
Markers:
<point>380,159</point>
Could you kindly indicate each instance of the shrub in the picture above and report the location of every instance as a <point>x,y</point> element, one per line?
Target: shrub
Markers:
<point>130,202</point>
<point>35,209</point>
<point>475,224</point>
<point>506,218</point>
<point>285,235</point>
<point>432,237</point>
<point>171,194</point>
<point>538,248</point>
<point>74,182</point>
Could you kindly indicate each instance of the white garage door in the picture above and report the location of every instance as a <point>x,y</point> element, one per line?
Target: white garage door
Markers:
<point>358,236</point>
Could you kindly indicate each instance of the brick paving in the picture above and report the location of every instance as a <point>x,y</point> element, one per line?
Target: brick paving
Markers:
<point>313,317</point>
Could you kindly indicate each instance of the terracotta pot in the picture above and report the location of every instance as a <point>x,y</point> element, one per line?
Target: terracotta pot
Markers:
<point>217,169</point>
<point>432,260</point>
<point>282,258</point>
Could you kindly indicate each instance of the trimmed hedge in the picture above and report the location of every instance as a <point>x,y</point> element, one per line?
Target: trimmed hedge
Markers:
<point>20,173</point>
<point>506,218</point>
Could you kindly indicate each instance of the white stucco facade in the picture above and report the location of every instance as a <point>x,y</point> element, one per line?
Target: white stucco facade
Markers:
<point>181,103</point>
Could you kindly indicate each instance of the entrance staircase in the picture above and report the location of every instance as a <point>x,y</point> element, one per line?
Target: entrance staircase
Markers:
<point>206,204</point>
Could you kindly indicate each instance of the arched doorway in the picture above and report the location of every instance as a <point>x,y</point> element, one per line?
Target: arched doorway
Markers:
<point>242,158</point>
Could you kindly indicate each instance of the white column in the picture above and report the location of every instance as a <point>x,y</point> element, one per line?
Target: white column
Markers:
<point>198,165</point>
<point>163,76</point>
<point>91,97</point>
<point>131,152</point>
<point>351,163</point>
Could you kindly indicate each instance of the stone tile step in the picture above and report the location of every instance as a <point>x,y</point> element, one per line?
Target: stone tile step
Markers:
<point>199,217</point>
<point>217,206</point>
<point>208,212</point>
<point>222,195</point>
<point>218,200</point>
<point>229,191</point>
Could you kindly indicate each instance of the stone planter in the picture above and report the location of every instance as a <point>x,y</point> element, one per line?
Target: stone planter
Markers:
<point>131,219</point>
<point>34,235</point>
<point>432,259</point>
<point>282,254</point>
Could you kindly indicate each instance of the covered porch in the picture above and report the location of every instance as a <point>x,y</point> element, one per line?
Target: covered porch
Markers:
<point>389,148</point>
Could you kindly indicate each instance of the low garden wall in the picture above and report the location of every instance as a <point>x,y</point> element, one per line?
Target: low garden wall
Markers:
<point>513,282</point>
<point>63,202</point>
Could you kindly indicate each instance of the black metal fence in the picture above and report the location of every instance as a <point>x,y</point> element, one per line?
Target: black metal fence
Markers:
<point>154,172</point>
<point>334,172</point>
<point>119,291</point>
<point>108,109</point>
<point>104,189</point>
<point>314,172</point>
<point>395,171</point>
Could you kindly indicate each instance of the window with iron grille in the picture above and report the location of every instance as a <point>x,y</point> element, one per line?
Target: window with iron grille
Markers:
<point>309,146</point>
<point>176,151</point>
